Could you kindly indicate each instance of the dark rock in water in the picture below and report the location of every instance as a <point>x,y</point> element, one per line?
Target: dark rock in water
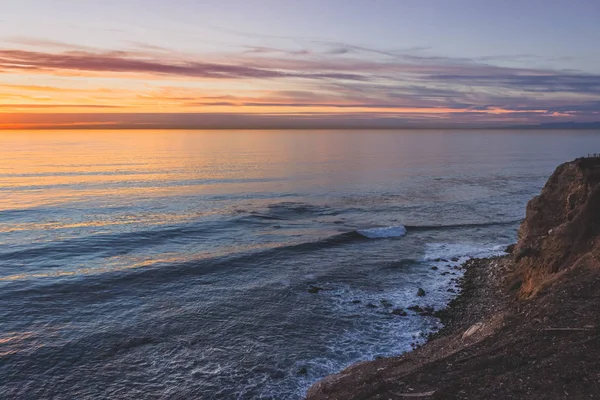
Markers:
<point>386,303</point>
<point>434,268</point>
<point>445,273</point>
<point>427,311</point>
<point>416,309</point>
<point>420,292</point>
<point>454,259</point>
<point>510,248</point>
<point>400,312</point>
<point>314,289</point>
<point>303,371</point>
<point>437,260</point>
<point>451,290</point>
<point>424,311</point>
<point>444,260</point>
<point>371,305</point>
<point>356,301</point>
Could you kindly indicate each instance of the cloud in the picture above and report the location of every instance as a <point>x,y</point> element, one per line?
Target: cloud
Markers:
<point>336,76</point>
<point>547,82</point>
<point>124,62</point>
<point>21,106</point>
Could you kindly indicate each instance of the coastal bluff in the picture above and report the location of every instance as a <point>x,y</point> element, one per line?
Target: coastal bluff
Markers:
<point>526,325</point>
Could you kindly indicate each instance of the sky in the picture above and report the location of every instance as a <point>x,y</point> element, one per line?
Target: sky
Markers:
<point>306,64</point>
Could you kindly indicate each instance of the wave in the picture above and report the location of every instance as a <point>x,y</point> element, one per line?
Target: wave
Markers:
<point>111,244</point>
<point>444,252</point>
<point>126,242</point>
<point>461,226</point>
<point>387,232</point>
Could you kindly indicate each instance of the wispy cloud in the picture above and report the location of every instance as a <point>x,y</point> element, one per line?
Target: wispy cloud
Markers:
<point>311,78</point>
<point>123,62</point>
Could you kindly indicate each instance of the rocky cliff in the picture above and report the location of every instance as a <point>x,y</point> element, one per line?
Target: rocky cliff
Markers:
<point>562,225</point>
<point>525,326</point>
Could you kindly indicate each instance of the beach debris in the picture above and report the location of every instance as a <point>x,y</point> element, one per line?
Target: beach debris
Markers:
<point>472,330</point>
<point>422,394</point>
<point>586,328</point>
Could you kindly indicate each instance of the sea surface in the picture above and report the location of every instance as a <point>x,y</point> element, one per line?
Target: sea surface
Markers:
<point>242,264</point>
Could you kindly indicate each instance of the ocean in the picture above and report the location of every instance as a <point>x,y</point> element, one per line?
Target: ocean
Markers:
<point>242,264</point>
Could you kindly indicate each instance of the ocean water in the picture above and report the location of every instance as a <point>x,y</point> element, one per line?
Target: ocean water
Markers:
<point>242,264</point>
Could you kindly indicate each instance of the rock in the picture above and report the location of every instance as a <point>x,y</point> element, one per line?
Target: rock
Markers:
<point>371,305</point>
<point>416,309</point>
<point>386,303</point>
<point>420,292</point>
<point>510,248</point>
<point>314,289</point>
<point>356,301</point>
<point>303,371</point>
<point>451,290</point>
<point>400,312</point>
<point>434,268</point>
<point>454,259</point>
<point>472,330</point>
<point>427,311</point>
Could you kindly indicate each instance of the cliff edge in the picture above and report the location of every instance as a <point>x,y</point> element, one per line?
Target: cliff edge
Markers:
<point>525,325</point>
<point>562,226</point>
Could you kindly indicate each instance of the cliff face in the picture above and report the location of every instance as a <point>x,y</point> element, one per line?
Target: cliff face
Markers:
<point>526,326</point>
<point>562,226</point>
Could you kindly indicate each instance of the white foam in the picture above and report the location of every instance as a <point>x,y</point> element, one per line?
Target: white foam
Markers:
<point>387,232</point>
<point>434,251</point>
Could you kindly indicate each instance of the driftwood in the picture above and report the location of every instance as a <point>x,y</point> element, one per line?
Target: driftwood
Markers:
<point>567,329</point>
<point>424,394</point>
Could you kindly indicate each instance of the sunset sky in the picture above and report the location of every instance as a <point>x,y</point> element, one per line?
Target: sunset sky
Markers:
<point>275,63</point>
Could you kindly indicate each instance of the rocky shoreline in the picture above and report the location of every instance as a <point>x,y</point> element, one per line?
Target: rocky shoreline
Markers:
<point>526,325</point>
<point>481,299</point>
